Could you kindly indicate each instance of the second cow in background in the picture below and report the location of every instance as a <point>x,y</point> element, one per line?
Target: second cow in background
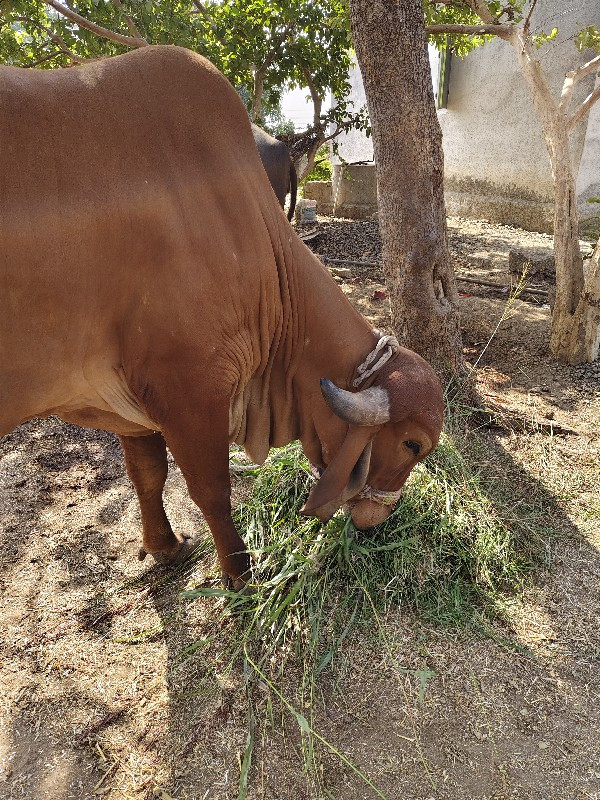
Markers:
<point>279,166</point>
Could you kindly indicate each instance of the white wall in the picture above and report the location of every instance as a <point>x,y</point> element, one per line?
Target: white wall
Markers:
<point>588,180</point>
<point>355,145</point>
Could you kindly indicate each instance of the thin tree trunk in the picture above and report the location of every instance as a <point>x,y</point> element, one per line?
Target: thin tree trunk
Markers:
<point>306,164</point>
<point>257,95</point>
<point>567,253</point>
<point>260,73</point>
<point>587,313</point>
<point>391,46</point>
<point>574,308</point>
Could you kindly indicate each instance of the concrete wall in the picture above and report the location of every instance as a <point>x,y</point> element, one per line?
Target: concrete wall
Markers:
<point>355,145</point>
<point>352,192</point>
<point>588,179</point>
<point>496,164</point>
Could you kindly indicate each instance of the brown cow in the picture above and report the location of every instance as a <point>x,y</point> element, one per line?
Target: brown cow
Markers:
<point>136,298</point>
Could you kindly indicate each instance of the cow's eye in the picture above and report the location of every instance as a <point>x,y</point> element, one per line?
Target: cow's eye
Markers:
<point>414,446</point>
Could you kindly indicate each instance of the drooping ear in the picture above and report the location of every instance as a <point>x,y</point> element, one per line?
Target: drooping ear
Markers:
<point>344,476</point>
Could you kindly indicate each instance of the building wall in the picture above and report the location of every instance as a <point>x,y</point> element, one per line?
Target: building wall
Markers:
<point>496,164</point>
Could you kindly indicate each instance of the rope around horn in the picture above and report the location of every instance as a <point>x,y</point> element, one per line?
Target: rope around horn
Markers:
<point>386,347</point>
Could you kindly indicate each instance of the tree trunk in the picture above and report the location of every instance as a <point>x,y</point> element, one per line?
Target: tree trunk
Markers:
<point>303,148</point>
<point>584,344</point>
<point>590,314</point>
<point>567,254</point>
<point>391,46</point>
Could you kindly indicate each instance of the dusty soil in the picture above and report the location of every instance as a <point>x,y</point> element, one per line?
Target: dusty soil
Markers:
<point>113,686</point>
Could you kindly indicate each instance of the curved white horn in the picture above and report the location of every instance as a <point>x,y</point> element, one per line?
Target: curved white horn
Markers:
<point>368,407</point>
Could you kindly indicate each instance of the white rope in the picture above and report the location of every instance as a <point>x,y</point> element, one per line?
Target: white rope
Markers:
<point>379,496</point>
<point>386,347</point>
<point>368,493</point>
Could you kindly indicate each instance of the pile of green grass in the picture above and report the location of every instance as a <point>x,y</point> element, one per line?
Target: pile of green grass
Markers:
<point>450,549</point>
<point>453,549</point>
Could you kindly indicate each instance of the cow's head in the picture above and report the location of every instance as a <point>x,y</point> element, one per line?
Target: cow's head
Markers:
<point>392,425</point>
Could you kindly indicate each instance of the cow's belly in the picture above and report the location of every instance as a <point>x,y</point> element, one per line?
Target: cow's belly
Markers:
<point>106,403</point>
<point>104,421</point>
<point>95,397</point>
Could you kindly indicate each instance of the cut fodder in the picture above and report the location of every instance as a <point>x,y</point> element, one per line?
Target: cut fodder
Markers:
<point>452,548</point>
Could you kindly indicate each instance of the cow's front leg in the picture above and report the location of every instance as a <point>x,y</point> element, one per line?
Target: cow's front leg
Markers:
<point>203,457</point>
<point>146,462</point>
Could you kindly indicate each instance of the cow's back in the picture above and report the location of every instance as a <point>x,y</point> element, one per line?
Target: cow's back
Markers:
<point>128,214</point>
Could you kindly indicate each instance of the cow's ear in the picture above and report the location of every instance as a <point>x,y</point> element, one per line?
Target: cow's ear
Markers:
<point>345,475</point>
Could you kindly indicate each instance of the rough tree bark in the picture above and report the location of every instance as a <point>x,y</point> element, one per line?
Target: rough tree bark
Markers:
<point>391,46</point>
<point>588,311</point>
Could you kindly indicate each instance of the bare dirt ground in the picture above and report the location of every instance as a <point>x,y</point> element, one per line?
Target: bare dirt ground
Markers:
<point>113,686</point>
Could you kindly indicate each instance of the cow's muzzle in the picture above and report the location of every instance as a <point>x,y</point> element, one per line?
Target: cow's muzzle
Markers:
<point>371,507</point>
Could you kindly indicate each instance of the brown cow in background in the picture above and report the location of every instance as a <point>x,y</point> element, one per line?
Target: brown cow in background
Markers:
<point>136,298</point>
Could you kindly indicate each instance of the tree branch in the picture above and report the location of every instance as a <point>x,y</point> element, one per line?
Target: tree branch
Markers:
<point>571,79</point>
<point>54,37</point>
<point>498,29</point>
<point>528,18</point>
<point>583,109</point>
<point>130,23</point>
<point>261,72</point>
<point>332,135</point>
<point>315,96</point>
<point>482,9</point>
<point>585,69</point>
<point>43,60</point>
<point>202,11</point>
<point>275,47</point>
<point>119,38</point>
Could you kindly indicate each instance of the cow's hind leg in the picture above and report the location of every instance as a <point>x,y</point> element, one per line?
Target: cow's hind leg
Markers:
<point>146,462</point>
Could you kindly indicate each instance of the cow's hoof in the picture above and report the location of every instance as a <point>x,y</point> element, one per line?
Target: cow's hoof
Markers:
<point>242,586</point>
<point>187,548</point>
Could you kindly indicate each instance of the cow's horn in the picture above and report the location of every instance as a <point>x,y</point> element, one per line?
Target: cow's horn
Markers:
<point>368,407</point>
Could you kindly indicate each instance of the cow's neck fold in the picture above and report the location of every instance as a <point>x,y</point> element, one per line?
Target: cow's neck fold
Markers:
<point>316,333</point>
<point>337,339</point>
